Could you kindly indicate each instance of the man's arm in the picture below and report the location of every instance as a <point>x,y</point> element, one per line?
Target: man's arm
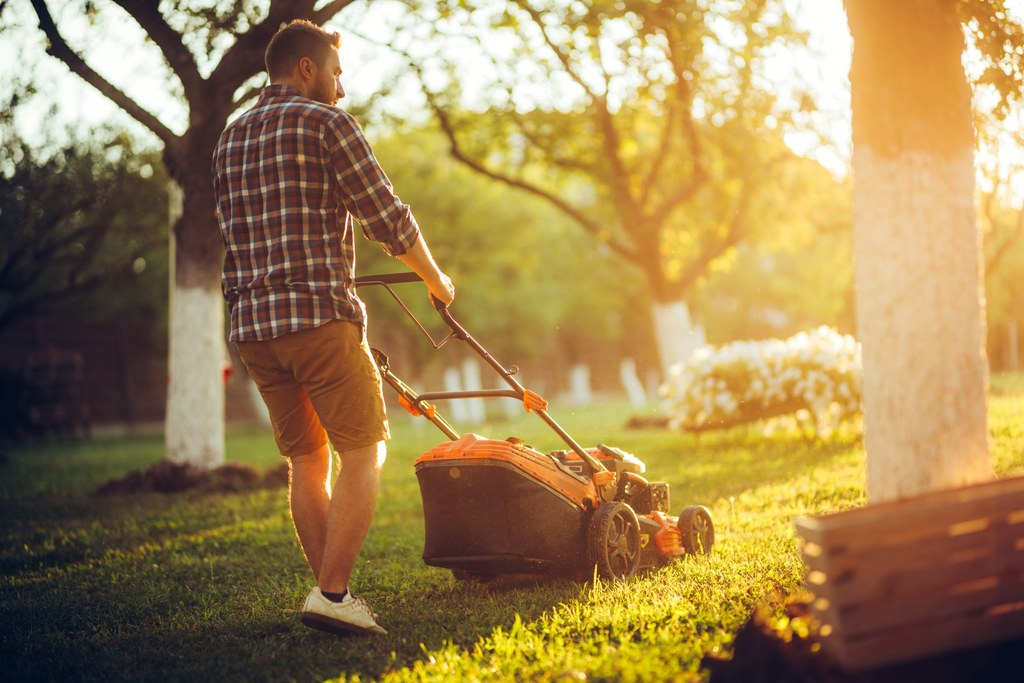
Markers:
<point>420,260</point>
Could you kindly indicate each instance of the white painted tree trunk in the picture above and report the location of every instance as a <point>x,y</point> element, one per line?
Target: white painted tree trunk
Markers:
<point>457,407</point>
<point>580,392</point>
<point>920,310</point>
<point>676,335</point>
<point>195,395</point>
<point>475,408</point>
<point>631,383</point>
<point>197,356</point>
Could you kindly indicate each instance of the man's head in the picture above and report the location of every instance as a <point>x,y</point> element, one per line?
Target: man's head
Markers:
<point>304,55</point>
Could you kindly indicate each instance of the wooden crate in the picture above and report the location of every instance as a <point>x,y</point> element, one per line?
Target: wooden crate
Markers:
<point>907,579</point>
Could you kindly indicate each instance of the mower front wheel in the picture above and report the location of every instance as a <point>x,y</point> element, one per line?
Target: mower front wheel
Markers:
<point>613,541</point>
<point>697,530</point>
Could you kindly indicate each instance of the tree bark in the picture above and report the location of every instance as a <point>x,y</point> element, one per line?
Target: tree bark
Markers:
<point>676,335</point>
<point>919,285</point>
<point>197,356</point>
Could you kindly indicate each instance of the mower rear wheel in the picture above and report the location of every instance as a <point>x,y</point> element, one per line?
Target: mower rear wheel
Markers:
<point>613,541</point>
<point>697,530</point>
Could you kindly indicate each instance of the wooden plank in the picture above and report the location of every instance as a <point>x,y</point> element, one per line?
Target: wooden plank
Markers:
<point>871,588</point>
<point>881,590</point>
<point>917,577</point>
<point>930,639</point>
<point>938,550</point>
<point>876,524</point>
<point>899,533</point>
<point>913,612</point>
<point>909,612</point>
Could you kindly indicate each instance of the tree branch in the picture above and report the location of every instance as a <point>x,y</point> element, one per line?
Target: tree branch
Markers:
<point>561,54</point>
<point>621,193</point>
<point>148,16</point>
<point>732,237</point>
<point>585,222</point>
<point>236,64</point>
<point>322,15</point>
<point>59,48</point>
<point>683,104</point>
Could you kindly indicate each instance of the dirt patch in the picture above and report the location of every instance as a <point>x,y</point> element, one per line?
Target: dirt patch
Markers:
<point>765,653</point>
<point>168,477</point>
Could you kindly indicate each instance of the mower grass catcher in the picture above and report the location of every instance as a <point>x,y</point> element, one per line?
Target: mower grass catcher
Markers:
<point>500,507</point>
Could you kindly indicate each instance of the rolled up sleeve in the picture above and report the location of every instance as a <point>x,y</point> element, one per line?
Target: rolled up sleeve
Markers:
<point>367,193</point>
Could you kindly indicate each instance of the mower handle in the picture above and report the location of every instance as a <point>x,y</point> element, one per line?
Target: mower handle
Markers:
<point>387,279</point>
<point>460,332</point>
<point>397,279</point>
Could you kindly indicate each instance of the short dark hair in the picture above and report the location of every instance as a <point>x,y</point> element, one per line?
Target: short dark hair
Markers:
<point>295,40</point>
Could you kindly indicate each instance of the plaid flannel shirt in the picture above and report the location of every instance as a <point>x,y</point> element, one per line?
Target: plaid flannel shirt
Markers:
<point>290,176</point>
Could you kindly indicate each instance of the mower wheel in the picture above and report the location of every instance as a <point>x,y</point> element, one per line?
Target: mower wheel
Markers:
<point>613,541</point>
<point>697,530</point>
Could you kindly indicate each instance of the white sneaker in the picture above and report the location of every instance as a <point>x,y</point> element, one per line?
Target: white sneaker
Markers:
<point>351,615</point>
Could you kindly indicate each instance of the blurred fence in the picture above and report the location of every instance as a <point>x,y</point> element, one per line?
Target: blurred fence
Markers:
<point>65,377</point>
<point>71,377</point>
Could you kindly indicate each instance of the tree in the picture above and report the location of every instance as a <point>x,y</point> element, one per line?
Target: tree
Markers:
<point>646,123</point>
<point>796,279</point>
<point>996,35</point>
<point>1002,218</point>
<point>518,254</point>
<point>214,55</point>
<point>75,221</point>
<point>917,247</point>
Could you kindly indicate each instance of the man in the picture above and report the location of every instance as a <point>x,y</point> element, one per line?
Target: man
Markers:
<point>291,175</point>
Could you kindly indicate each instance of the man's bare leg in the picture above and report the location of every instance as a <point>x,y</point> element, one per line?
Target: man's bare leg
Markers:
<point>309,482</point>
<point>349,514</point>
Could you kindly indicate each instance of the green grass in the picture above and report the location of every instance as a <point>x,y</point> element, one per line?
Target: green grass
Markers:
<point>208,586</point>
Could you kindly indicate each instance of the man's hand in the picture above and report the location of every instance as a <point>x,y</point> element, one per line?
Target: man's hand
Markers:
<point>443,290</point>
<point>419,259</point>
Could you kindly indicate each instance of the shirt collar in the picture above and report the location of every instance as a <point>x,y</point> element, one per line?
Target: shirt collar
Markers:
<point>279,90</point>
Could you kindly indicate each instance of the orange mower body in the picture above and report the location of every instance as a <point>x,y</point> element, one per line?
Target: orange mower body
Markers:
<point>494,507</point>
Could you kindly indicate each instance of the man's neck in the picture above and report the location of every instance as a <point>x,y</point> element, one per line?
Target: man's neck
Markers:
<point>301,87</point>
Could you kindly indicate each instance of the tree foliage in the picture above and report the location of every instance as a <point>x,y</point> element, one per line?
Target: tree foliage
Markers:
<point>79,220</point>
<point>648,124</point>
<point>213,54</point>
<point>999,39</point>
<point>528,281</point>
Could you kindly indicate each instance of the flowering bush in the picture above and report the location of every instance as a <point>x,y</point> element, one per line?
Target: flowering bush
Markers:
<point>812,375</point>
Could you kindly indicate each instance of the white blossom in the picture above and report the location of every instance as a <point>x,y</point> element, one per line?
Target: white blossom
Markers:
<point>813,376</point>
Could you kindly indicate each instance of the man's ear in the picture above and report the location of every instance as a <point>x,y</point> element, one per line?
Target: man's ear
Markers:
<point>306,68</point>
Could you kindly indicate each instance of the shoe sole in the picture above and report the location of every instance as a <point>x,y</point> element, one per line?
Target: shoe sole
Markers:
<point>341,628</point>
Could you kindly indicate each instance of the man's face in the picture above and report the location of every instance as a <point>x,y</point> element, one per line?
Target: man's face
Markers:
<point>327,87</point>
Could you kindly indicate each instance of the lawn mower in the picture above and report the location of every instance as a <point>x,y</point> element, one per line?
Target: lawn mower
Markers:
<point>500,507</point>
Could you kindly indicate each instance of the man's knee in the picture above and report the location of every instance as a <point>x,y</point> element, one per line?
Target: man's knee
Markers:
<point>372,456</point>
<point>315,464</point>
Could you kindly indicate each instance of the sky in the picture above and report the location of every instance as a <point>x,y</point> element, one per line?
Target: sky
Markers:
<point>111,51</point>
<point>113,56</point>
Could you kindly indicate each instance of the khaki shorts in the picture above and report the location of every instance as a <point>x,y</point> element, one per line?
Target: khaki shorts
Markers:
<point>319,384</point>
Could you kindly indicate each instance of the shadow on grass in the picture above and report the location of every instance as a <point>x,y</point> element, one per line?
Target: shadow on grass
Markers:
<point>145,627</point>
<point>209,587</point>
<point>203,587</point>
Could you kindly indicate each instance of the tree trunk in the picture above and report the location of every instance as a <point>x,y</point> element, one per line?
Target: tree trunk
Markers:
<point>194,429</point>
<point>917,245</point>
<point>676,335</point>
